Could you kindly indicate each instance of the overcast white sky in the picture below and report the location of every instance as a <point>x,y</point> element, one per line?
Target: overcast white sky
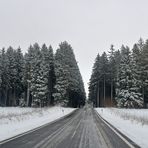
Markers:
<point>90,26</point>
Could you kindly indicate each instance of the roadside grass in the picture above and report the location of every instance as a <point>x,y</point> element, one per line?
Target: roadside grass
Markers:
<point>17,120</point>
<point>134,115</point>
<point>15,114</point>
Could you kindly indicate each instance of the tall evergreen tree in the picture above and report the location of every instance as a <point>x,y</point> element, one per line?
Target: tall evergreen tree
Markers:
<point>27,99</point>
<point>144,67</point>
<point>104,77</point>
<point>99,80</point>
<point>112,72</point>
<point>94,83</point>
<point>52,77</point>
<point>69,86</point>
<point>12,76</point>
<point>0,78</point>
<point>47,70</point>
<point>35,75</point>
<point>4,78</point>
<point>19,74</point>
<point>136,65</point>
<point>127,95</point>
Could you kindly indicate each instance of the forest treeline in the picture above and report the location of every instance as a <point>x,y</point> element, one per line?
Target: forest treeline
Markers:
<point>120,77</point>
<point>40,77</point>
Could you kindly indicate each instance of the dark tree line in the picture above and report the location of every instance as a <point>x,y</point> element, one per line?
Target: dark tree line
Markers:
<point>69,86</point>
<point>40,78</point>
<point>120,78</point>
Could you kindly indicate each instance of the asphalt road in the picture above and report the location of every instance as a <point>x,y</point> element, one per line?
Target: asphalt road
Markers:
<point>82,129</point>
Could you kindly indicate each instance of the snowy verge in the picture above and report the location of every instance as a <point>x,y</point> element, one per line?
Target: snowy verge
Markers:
<point>131,122</point>
<point>15,120</point>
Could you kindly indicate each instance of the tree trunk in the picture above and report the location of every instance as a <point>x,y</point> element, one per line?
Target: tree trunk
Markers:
<point>28,94</point>
<point>143,91</point>
<point>111,93</point>
<point>6,97</point>
<point>98,95</point>
<point>14,98</point>
<point>104,91</point>
<point>49,101</point>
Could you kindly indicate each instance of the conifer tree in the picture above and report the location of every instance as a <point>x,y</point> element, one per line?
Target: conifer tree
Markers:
<point>94,83</point>
<point>27,99</point>
<point>112,72</point>
<point>69,85</point>
<point>144,67</point>
<point>52,77</point>
<point>19,74</point>
<point>4,78</point>
<point>35,75</point>
<point>127,95</point>
<point>99,79</point>
<point>47,74</point>
<point>0,78</point>
<point>12,75</point>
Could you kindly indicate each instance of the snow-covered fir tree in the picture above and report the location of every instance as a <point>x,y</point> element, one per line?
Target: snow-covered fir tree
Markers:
<point>35,82</point>
<point>0,78</point>
<point>12,75</point>
<point>19,73</point>
<point>4,78</point>
<point>127,94</point>
<point>94,81</point>
<point>144,68</point>
<point>112,72</point>
<point>39,75</point>
<point>99,80</point>
<point>27,98</point>
<point>47,74</point>
<point>69,85</point>
<point>51,77</point>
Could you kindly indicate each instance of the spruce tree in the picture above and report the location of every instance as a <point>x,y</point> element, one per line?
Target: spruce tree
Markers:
<point>4,78</point>
<point>0,78</point>
<point>12,76</point>
<point>144,67</point>
<point>94,83</point>
<point>69,85</point>
<point>19,73</point>
<point>27,99</point>
<point>47,74</point>
<point>52,77</point>
<point>35,75</point>
<point>104,77</point>
<point>127,95</point>
<point>112,72</point>
<point>99,80</point>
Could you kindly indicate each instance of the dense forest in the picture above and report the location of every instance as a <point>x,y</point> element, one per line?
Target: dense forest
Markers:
<point>120,77</point>
<point>40,77</point>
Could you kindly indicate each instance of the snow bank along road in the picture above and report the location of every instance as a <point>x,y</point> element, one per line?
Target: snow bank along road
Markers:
<point>81,129</point>
<point>131,122</point>
<point>16,120</point>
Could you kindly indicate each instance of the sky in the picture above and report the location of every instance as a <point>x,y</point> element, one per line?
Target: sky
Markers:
<point>90,26</point>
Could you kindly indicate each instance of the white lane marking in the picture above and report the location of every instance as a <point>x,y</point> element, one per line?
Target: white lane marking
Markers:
<point>76,129</point>
<point>128,143</point>
<point>30,131</point>
<point>54,134</point>
<point>73,134</point>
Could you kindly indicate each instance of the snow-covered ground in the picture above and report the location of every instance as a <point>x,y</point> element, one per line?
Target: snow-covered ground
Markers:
<point>16,120</point>
<point>131,122</point>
